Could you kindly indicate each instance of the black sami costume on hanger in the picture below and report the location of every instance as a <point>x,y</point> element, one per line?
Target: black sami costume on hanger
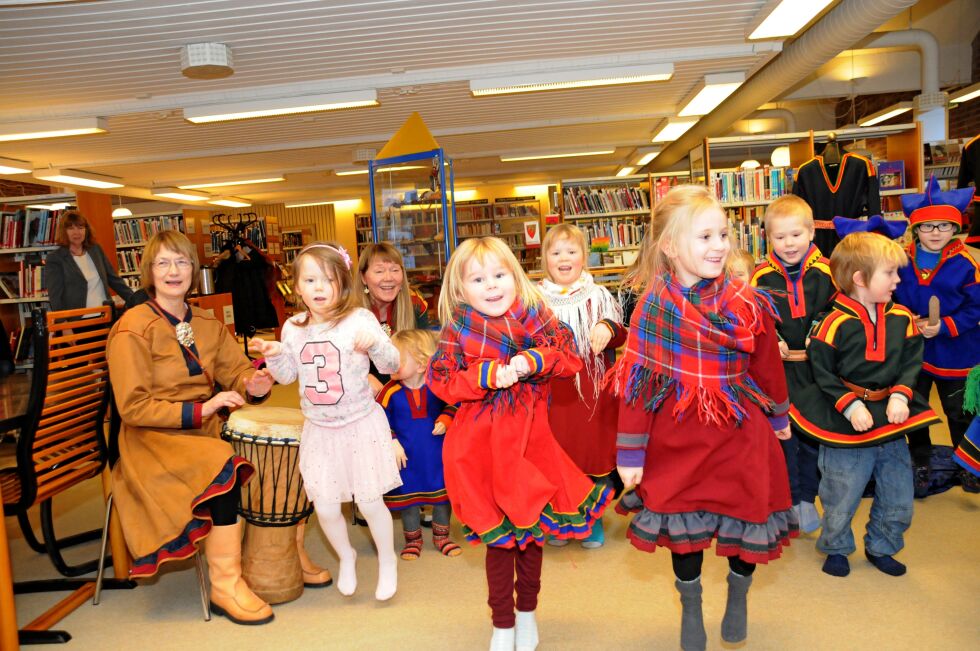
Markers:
<point>970,173</point>
<point>849,189</point>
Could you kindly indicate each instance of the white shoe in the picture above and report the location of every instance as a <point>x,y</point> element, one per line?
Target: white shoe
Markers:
<point>527,631</point>
<point>502,640</point>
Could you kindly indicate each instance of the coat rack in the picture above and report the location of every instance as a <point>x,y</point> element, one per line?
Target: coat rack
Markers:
<point>238,229</point>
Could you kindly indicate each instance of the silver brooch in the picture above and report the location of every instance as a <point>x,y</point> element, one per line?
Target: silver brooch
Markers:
<point>185,334</point>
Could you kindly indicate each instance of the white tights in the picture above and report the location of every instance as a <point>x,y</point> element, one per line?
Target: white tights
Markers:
<point>379,522</point>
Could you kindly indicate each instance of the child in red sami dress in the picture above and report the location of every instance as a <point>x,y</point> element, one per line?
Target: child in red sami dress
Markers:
<point>509,481</point>
<point>703,402</point>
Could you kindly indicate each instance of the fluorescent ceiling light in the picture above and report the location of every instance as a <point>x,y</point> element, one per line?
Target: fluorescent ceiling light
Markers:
<point>77,177</point>
<point>626,170</point>
<point>673,129</point>
<point>221,184</point>
<point>787,17</point>
<point>965,94</point>
<point>14,166</point>
<point>48,206</point>
<point>646,155</point>
<point>563,79</point>
<point>600,152</point>
<point>171,192</point>
<point>321,203</point>
<point>712,91</point>
<point>885,114</point>
<point>526,190</point>
<point>52,128</point>
<point>280,106</point>
<point>397,168</point>
<point>231,202</point>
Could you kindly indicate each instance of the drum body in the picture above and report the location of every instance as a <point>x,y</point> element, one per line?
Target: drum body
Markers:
<point>274,502</point>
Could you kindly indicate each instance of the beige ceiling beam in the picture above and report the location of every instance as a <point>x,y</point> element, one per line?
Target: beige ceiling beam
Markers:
<point>390,80</point>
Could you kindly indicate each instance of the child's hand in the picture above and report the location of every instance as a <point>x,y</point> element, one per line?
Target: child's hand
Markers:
<point>259,384</point>
<point>363,341</point>
<point>439,429</point>
<point>264,348</point>
<point>861,419</point>
<point>783,434</point>
<point>631,477</point>
<point>520,366</point>
<point>928,331</point>
<point>230,399</point>
<point>897,410</point>
<point>599,337</point>
<point>400,457</point>
<point>783,349</point>
<point>506,377</point>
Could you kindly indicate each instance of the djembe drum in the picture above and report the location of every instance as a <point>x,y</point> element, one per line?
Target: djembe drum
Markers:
<point>274,502</point>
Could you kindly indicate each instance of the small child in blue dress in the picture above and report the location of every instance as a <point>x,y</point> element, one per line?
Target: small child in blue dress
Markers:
<point>418,421</point>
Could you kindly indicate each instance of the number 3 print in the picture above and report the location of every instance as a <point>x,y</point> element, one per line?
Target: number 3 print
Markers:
<point>329,388</point>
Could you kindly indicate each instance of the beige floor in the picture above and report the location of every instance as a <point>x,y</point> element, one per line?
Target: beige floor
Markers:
<point>611,598</point>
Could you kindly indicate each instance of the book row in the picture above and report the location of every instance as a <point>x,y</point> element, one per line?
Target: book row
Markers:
<point>138,231</point>
<point>28,227</point>
<point>596,200</point>
<point>761,184</point>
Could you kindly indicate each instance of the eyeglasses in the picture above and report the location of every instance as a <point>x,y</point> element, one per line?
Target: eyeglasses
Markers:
<point>183,264</point>
<point>942,227</point>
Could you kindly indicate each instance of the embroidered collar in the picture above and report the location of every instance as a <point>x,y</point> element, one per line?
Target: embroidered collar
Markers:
<point>925,276</point>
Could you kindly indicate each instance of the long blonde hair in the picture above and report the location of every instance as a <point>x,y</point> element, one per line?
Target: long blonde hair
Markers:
<point>672,218</point>
<point>481,248</point>
<point>327,256</point>
<point>385,252</point>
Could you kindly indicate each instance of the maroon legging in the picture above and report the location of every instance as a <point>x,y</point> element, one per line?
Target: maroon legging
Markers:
<point>501,567</point>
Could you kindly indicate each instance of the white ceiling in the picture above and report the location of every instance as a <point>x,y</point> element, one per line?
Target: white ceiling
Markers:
<point>120,59</point>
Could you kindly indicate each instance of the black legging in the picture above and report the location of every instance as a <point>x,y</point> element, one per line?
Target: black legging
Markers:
<point>224,507</point>
<point>687,567</point>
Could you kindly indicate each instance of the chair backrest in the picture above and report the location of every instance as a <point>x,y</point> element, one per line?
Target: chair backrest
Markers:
<point>62,441</point>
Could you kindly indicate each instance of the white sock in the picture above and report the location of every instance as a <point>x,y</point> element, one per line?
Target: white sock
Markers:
<point>383,532</point>
<point>335,529</point>
<point>527,631</point>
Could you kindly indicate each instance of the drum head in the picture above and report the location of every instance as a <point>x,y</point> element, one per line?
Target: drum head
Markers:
<point>269,422</point>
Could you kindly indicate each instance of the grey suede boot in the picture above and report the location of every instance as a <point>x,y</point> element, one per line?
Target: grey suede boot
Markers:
<point>693,637</point>
<point>734,626</point>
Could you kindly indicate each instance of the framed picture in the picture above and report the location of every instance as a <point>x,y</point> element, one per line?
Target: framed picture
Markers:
<point>891,175</point>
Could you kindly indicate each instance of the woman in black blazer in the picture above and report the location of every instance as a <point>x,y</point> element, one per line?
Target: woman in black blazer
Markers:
<point>77,274</point>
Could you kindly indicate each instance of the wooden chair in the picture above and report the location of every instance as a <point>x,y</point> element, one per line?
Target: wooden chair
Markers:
<point>61,444</point>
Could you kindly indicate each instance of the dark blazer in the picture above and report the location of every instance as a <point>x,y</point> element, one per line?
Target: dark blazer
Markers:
<point>67,289</point>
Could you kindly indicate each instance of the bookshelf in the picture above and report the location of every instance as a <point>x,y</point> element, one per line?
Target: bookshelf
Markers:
<point>517,221</point>
<point>28,226</point>
<point>745,193</point>
<point>613,212</point>
<point>364,231</point>
<point>293,239</point>
<point>131,235</point>
<point>473,219</point>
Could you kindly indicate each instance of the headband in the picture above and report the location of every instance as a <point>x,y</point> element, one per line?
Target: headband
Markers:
<point>339,250</point>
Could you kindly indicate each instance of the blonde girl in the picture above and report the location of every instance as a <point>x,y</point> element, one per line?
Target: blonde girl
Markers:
<point>582,416</point>
<point>509,481</point>
<point>701,394</point>
<point>346,452</point>
<point>741,265</point>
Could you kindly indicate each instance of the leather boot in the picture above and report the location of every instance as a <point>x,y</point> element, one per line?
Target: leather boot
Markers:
<point>230,595</point>
<point>314,576</point>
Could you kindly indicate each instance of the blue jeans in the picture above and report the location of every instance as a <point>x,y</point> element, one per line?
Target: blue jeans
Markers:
<point>844,474</point>
<point>801,467</point>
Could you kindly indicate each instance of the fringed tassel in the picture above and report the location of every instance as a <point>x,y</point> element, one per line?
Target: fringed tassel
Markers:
<point>971,395</point>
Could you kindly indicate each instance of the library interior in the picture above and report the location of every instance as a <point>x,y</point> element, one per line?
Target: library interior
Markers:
<point>200,157</point>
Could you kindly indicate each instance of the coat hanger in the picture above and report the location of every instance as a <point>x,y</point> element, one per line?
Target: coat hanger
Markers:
<point>831,151</point>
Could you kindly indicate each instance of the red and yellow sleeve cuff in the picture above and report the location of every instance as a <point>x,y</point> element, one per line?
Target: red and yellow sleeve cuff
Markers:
<point>845,401</point>
<point>901,390</point>
<point>445,419</point>
<point>535,360</point>
<point>950,326</point>
<point>488,371</point>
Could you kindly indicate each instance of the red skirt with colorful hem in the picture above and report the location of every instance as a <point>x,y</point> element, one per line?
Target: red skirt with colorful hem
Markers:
<point>236,471</point>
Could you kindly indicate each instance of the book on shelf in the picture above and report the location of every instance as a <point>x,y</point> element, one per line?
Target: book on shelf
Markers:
<point>748,230</point>
<point>596,200</point>
<point>891,174</point>
<point>745,186</point>
<point>138,230</point>
<point>129,260</point>
<point>662,186</point>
